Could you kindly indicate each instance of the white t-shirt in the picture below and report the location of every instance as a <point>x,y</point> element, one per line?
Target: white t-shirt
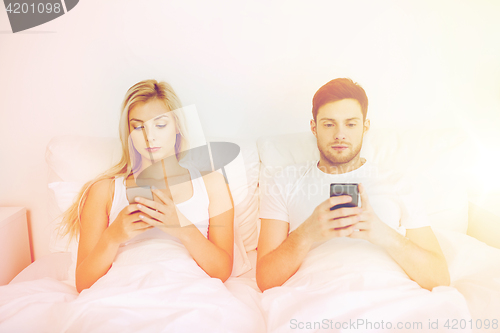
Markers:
<point>291,194</point>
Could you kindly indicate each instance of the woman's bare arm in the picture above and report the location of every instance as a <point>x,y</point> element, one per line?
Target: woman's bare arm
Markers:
<point>215,254</point>
<point>95,251</point>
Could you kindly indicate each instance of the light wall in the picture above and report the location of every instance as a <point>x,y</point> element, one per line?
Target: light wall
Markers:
<point>250,67</point>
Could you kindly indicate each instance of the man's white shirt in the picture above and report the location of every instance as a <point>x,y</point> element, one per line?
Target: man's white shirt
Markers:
<point>292,193</point>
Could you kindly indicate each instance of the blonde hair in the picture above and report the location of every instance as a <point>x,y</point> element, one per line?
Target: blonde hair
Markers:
<point>131,160</point>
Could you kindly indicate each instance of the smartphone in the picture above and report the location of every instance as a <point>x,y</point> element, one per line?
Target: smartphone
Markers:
<point>139,191</point>
<point>350,189</point>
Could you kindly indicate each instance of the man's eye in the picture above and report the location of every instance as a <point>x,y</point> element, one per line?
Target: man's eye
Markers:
<point>351,125</point>
<point>328,125</point>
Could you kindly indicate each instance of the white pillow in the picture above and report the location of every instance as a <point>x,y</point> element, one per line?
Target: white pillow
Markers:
<point>243,177</point>
<point>64,194</point>
<point>434,161</point>
<point>80,158</point>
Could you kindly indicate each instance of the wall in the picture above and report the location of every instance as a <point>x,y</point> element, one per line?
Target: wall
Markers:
<point>250,68</point>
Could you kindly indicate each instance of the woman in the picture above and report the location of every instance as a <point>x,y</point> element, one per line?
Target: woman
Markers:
<point>151,130</point>
<point>150,265</point>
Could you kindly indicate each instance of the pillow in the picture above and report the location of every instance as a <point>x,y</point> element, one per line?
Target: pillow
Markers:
<point>73,162</point>
<point>64,193</point>
<point>80,158</point>
<point>432,160</point>
<point>243,177</point>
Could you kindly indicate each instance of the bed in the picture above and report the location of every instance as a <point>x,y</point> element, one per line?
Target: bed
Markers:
<point>42,297</point>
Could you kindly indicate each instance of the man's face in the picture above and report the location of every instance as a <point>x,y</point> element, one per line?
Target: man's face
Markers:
<point>339,130</point>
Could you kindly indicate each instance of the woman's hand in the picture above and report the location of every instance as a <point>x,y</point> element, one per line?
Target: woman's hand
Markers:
<point>127,225</point>
<point>163,214</point>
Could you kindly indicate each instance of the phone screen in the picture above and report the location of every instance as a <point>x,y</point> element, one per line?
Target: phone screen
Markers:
<point>350,189</point>
<point>139,191</point>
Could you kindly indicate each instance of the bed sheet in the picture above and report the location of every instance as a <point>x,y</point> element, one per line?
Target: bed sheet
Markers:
<point>154,286</point>
<point>341,281</point>
<point>474,272</point>
<point>349,285</point>
<point>56,265</point>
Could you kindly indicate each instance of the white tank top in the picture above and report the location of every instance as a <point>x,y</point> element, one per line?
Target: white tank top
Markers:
<point>195,209</point>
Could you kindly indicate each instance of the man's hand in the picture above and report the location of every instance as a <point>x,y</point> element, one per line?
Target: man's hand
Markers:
<point>324,224</point>
<point>370,227</point>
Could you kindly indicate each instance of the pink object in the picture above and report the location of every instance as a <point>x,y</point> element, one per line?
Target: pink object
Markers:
<point>15,252</point>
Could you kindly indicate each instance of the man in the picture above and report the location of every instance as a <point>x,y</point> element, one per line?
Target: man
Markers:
<point>295,207</point>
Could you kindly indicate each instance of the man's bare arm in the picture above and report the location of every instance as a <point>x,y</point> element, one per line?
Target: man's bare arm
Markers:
<point>420,255</point>
<point>279,255</point>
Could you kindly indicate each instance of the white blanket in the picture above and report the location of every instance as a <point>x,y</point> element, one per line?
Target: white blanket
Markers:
<point>348,285</point>
<point>156,286</point>
<point>153,286</point>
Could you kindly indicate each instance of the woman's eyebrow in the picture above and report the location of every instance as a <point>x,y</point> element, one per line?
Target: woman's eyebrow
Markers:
<point>334,120</point>
<point>141,121</point>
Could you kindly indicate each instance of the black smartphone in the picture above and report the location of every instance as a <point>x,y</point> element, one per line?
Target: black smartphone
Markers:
<point>350,189</point>
<point>139,191</point>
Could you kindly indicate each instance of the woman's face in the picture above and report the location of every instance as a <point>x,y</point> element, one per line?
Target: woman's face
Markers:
<point>152,130</point>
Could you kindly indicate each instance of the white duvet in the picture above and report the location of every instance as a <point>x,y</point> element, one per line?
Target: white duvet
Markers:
<point>348,285</point>
<point>153,286</point>
<point>343,286</point>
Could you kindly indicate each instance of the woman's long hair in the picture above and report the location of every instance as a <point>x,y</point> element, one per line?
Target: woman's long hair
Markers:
<point>131,160</point>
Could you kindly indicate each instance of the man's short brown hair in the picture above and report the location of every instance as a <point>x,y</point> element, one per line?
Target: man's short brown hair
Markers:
<point>339,89</point>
